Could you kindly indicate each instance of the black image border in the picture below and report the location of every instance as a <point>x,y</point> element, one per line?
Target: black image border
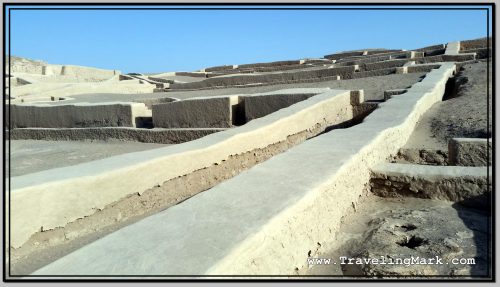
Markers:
<point>6,8</point>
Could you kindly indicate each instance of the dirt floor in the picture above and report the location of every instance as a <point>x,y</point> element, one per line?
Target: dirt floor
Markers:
<point>374,89</point>
<point>380,226</point>
<point>463,115</point>
<point>28,156</point>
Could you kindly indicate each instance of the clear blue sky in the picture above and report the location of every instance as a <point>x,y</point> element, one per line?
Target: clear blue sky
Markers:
<point>168,40</point>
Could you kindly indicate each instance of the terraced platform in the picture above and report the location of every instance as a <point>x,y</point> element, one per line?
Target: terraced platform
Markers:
<point>246,169</point>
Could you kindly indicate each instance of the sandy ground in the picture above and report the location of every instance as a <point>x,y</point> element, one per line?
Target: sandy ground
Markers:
<point>374,89</point>
<point>357,226</point>
<point>464,115</point>
<point>28,156</point>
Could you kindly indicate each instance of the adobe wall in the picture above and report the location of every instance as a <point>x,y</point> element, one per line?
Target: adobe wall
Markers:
<point>81,183</point>
<point>272,233</point>
<point>470,186</point>
<point>470,152</point>
<point>77,115</point>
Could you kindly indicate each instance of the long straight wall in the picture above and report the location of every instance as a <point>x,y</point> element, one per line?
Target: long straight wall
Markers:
<point>264,221</point>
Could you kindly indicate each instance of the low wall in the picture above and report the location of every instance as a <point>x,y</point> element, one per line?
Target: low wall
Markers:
<point>422,156</point>
<point>154,101</point>
<point>229,72</point>
<point>226,111</point>
<point>476,44</point>
<point>44,90</point>
<point>190,74</point>
<point>265,66</point>
<point>435,52</point>
<point>322,75</point>
<point>267,220</point>
<point>468,185</point>
<point>206,112</point>
<point>157,135</point>
<point>260,105</point>
<point>88,72</point>
<point>77,115</point>
<point>117,177</point>
<point>382,65</point>
<point>280,68</point>
<point>481,53</point>
<point>42,68</point>
<point>21,65</point>
<point>382,51</point>
<point>379,58</point>
<point>446,58</point>
<point>161,80</point>
<point>362,60</point>
<point>316,61</point>
<point>373,73</point>
<point>452,48</point>
<point>342,55</point>
<point>218,68</point>
<point>431,48</point>
<point>26,68</point>
<point>470,152</point>
<point>260,69</point>
<point>421,68</point>
<point>266,79</point>
<point>50,70</point>
<point>271,64</point>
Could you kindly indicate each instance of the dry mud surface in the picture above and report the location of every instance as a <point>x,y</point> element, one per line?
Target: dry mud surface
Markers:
<point>403,227</point>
